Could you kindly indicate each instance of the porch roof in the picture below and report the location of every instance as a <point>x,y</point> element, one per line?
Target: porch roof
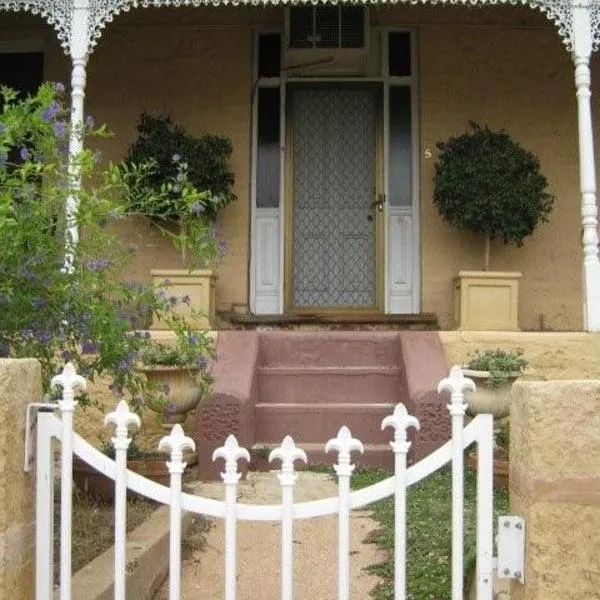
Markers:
<point>62,14</point>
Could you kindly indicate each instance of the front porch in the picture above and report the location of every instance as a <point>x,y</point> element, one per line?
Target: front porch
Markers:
<point>504,66</point>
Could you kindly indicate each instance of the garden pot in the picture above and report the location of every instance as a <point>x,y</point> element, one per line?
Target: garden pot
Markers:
<point>486,300</point>
<point>182,396</point>
<point>500,468</point>
<point>198,286</point>
<point>486,399</point>
<point>102,488</point>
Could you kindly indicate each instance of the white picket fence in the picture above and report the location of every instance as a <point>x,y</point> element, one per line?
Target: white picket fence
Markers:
<point>50,426</point>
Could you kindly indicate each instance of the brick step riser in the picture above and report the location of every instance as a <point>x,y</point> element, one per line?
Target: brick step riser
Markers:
<point>319,424</point>
<point>302,388</point>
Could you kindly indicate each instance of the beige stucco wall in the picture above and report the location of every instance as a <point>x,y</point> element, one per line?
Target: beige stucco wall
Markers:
<point>503,66</point>
<point>551,355</point>
<point>555,486</point>
<point>20,384</point>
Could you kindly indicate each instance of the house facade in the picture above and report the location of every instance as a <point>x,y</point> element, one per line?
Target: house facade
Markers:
<point>334,112</point>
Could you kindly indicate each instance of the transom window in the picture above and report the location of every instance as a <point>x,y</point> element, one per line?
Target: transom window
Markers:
<point>327,27</point>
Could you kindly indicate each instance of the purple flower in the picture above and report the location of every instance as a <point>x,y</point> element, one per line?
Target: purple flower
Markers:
<point>222,247</point>
<point>89,347</point>
<point>98,264</point>
<point>59,87</point>
<point>51,111</point>
<point>60,128</point>
<point>44,337</point>
<point>198,208</point>
<point>90,122</point>
<point>203,363</point>
<point>24,153</point>
<point>39,302</point>
<point>164,388</point>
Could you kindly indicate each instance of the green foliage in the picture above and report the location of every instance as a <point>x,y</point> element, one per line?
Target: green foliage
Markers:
<point>85,313</point>
<point>488,184</point>
<point>168,150</point>
<point>501,364</point>
<point>429,535</point>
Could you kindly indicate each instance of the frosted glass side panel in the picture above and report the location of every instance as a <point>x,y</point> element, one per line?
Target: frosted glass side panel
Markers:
<point>268,157</point>
<point>400,155</point>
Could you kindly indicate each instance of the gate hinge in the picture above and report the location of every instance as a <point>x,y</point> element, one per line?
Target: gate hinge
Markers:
<point>30,422</point>
<point>511,548</point>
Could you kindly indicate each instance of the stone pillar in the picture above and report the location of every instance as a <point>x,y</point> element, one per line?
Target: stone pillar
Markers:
<point>20,384</point>
<point>555,486</point>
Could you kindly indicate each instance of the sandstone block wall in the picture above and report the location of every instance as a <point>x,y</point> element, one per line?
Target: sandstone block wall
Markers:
<point>20,384</point>
<point>555,486</point>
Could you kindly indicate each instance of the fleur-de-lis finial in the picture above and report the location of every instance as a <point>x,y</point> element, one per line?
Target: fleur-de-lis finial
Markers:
<point>400,421</point>
<point>175,443</point>
<point>122,418</point>
<point>457,384</point>
<point>68,380</point>
<point>344,444</point>
<point>288,452</point>
<point>231,451</point>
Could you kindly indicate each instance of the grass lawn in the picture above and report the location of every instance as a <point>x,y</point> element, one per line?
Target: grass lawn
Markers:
<point>429,514</point>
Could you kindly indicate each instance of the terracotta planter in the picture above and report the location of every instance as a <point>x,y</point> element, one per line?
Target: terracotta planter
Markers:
<point>102,488</point>
<point>183,393</point>
<point>486,399</point>
<point>500,468</point>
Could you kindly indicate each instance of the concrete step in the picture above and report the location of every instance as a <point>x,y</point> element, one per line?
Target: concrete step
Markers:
<point>318,422</point>
<point>330,384</point>
<point>330,348</point>
<point>376,456</point>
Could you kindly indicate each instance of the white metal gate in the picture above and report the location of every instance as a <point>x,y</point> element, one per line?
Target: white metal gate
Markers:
<point>51,426</point>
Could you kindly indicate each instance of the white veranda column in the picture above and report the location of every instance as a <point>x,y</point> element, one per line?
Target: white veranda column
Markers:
<point>582,49</point>
<point>79,51</point>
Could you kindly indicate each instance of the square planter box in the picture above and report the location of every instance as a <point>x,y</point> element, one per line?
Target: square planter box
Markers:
<point>198,285</point>
<point>486,300</point>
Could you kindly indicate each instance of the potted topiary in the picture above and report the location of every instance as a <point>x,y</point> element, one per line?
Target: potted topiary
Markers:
<point>486,183</point>
<point>494,372</point>
<point>180,182</point>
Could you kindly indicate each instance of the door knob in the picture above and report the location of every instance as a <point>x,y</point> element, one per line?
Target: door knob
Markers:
<point>379,202</point>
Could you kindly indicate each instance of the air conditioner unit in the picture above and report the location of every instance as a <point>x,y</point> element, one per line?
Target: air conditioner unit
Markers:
<point>328,41</point>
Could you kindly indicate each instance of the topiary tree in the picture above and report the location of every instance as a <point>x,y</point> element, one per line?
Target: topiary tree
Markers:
<point>486,183</point>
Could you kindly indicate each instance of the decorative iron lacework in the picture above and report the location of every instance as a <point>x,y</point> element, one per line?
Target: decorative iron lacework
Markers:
<point>56,12</point>
<point>59,12</point>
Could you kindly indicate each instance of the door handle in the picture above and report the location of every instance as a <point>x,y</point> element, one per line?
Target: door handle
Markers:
<point>379,202</point>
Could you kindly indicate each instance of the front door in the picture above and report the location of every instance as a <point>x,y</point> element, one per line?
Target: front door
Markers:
<point>333,190</point>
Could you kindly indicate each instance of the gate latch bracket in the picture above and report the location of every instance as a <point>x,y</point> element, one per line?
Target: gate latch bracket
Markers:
<point>511,548</point>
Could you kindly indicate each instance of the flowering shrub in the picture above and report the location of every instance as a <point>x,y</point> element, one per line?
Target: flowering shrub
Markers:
<point>81,309</point>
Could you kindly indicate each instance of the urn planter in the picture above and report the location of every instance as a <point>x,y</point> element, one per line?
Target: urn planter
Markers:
<point>178,392</point>
<point>489,399</point>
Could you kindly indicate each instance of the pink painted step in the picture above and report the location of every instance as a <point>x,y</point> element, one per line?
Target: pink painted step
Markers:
<point>329,348</point>
<point>314,422</point>
<point>339,384</point>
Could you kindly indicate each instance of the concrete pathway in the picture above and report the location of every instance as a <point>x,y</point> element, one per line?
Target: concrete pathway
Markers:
<point>315,549</point>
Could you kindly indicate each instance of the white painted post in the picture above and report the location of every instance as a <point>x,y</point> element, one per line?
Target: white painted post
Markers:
<point>485,509</point>
<point>344,444</point>
<point>68,380</point>
<point>582,49</point>
<point>176,442</point>
<point>457,384</point>
<point>122,418</point>
<point>79,45</point>
<point>231,452</point>
<point>287,453</point>
<point>44,511</point>
<point>400,421</point>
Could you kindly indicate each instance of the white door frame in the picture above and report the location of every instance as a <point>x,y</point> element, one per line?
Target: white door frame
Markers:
<point>402,257</point>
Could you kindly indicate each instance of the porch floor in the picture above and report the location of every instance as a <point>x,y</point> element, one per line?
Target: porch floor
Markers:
<point>356,321</point>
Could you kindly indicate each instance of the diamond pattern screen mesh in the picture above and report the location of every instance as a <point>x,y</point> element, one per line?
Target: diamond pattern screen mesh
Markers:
<point>334,185</point>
